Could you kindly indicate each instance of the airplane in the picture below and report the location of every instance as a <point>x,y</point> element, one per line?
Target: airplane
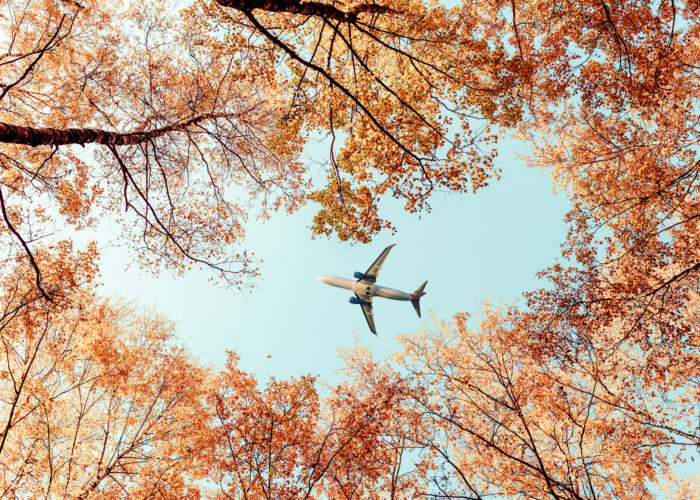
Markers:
<point>365,288</point>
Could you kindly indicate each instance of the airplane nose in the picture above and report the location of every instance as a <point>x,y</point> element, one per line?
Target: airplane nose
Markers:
<point>322,279</point>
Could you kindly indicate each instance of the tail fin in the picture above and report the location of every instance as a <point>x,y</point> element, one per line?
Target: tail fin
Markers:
<point>415,297</point>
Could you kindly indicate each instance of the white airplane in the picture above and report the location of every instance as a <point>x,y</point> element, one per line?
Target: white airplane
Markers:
<point>365,288</point>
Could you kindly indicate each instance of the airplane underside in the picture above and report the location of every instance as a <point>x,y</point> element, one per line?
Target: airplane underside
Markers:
<point>365,289</point>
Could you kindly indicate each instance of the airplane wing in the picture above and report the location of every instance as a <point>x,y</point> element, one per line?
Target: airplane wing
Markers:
<point>373,270</point>
<point>369,315</point>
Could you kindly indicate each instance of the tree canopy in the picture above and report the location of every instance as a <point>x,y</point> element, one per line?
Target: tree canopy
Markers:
<point>184,121</point>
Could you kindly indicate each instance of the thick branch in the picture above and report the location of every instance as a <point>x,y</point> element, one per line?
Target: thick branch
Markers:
<point>31,136</point>
<point>316,9</point>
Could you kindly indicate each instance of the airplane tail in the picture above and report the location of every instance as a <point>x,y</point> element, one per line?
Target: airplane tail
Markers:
<point>415,297</point>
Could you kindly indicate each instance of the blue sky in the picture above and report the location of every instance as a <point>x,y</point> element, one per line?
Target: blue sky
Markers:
<point>484,246</point>
<point>469,248</point>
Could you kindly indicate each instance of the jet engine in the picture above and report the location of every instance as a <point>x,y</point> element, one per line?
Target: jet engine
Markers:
<point>359,275</point>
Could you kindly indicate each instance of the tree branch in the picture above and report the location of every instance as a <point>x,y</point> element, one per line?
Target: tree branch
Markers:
<point>27,250</point>
<point>35,136</point>
<point>315,9</point>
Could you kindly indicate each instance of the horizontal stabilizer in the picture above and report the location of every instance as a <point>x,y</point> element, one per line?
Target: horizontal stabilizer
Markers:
<point>419,291</point>
<point>416,306</point>
<point>415,297</point>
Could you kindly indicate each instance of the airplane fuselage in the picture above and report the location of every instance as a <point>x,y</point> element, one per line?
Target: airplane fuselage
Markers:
<point>365,290</point>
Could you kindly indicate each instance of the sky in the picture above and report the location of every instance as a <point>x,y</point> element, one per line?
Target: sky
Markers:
<point>487,245</point>
<point>471,248</point>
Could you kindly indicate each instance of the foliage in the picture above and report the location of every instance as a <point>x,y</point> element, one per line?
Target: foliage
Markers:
<point>183,123</point>
<point>285,442</point>
<point>195,120</point>
<point>95,400</point>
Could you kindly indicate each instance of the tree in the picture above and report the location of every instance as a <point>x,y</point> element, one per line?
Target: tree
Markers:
<point>284,441</point>
<point>625,151</point>
<point>505,421</point>
<point>615,121</point>
<point>179,132</point>
<point>95,400</point>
